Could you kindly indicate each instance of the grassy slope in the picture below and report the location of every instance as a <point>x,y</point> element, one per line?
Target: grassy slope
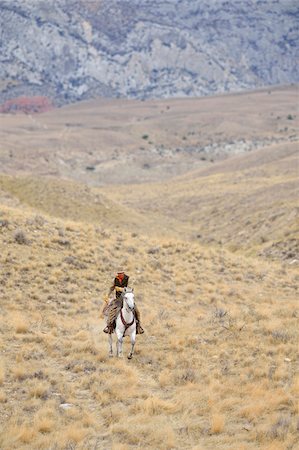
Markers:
<point>69,200</point>
<point>215,369</point>
<point>247,202</point>
<point>76,201</point>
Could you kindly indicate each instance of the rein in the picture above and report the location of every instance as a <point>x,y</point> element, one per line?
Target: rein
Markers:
<point>126,325</point>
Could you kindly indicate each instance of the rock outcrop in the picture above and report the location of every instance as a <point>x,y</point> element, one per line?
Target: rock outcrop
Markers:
<point>70,50</point>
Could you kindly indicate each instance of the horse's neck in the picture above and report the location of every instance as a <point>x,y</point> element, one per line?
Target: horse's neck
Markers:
<point>127,314</point>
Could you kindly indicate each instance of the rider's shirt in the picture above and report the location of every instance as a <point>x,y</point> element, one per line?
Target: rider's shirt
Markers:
<point>121,283</point>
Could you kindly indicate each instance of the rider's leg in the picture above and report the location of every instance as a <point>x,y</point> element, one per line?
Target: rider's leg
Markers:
<point>114,308</point>
<point>139,329</point>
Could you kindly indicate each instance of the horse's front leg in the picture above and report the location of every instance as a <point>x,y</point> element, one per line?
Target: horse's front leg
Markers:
<point>133,340</point>
<point>110,345</point>
<point>119,345</point>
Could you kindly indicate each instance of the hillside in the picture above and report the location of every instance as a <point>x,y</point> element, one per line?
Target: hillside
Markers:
<point>198,200</point>
<point>216,367</point>
<point>249,202</point>
<point>75,50</point>
<point>127,141</point>
<point>67,200</point>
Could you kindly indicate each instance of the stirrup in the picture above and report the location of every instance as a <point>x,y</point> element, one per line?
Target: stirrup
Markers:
<point>139,329</point>
<point>108,329</point>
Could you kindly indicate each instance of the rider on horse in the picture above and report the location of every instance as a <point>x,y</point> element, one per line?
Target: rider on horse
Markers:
<point>120,282</point>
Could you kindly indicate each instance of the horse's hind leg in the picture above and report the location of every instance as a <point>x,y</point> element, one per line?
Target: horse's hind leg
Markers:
<point>110,346</point>
<point>133,337</point>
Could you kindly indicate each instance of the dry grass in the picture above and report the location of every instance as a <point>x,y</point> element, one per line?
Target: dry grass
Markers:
<point>107,135</point>
<point>216,367</point>
<point>2,372</point>
<point>217,423</point>
<point>20,325</point>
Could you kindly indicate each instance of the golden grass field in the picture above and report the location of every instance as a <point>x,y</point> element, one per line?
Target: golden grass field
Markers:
<point>217,365</point>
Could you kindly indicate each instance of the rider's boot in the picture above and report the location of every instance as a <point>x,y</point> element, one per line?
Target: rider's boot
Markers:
<point>139,329</point>
<point>108,329</point>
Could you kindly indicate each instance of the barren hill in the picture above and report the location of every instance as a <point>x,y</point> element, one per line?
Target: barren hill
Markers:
<point>128,141</point>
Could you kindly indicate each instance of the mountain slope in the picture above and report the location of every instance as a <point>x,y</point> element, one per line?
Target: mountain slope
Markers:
<point>76,50</point>
<point>247,202</point>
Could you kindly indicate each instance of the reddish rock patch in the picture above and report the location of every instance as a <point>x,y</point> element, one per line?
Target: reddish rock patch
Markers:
<point>27,105</point>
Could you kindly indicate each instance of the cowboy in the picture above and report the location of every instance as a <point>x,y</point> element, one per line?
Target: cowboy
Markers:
<point>120,282</point>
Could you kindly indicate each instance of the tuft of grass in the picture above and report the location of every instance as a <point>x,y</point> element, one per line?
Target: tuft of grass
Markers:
<point>217,423</point>
<point>2,372</point>
<point>3,397</point>
<point>39,390</point>
<point>20,373</point>
<point>21,325</point>
<point>75,433</point>
<point>27,434</point>
<point>165,378</point>
<point>119,446</point>
<point>45,425</point>
<point>155,406</point>
<point>138,431</point>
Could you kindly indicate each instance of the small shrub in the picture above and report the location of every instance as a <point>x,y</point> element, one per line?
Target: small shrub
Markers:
<point>63,242</point>
<point>280,428</point>
<point>20,237</point>
<point>186,376</point>
<point>153,250</point>
<point>280,335</point>
<point>39,220</point>
<point>4,223</point>
<point>219,313</point>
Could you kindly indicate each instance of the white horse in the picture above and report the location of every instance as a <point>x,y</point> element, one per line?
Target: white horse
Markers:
<point>125,324</point>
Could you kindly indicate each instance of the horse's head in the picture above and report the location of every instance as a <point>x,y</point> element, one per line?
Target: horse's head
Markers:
<point>128,297</point>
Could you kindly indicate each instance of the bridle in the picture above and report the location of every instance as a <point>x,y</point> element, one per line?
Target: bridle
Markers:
<point>127,305</point>
<point>127,325</point>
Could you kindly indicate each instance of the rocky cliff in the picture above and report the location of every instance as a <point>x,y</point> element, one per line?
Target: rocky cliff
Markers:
<point>69,50</point>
